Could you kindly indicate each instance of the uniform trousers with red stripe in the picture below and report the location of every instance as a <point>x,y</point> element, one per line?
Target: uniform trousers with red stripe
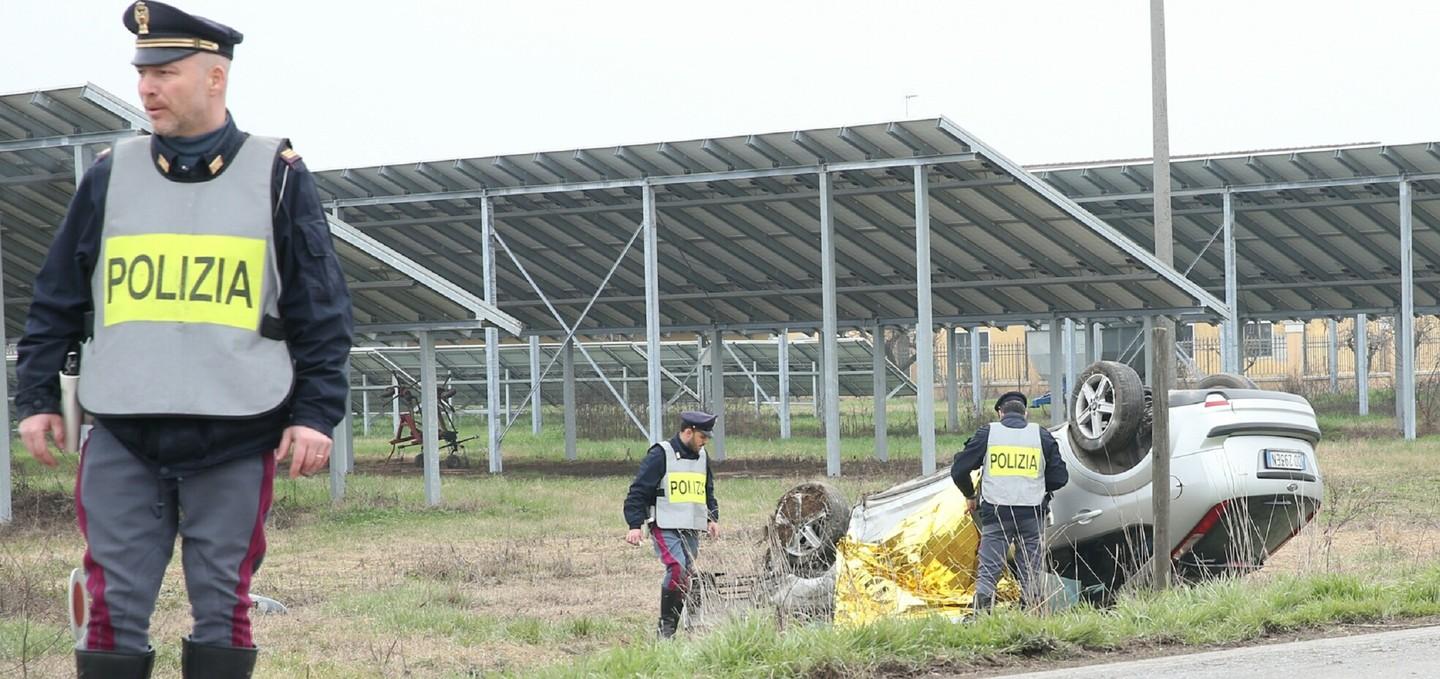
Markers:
<point>677,549</point>
<point>130,517</point>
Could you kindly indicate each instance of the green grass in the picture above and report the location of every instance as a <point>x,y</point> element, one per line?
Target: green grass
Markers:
<point>1214,613</point>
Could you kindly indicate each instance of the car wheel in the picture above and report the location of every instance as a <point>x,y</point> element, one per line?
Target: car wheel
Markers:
<point>1108,407</point>
<point>1225,381</point>
<point>808,522</point>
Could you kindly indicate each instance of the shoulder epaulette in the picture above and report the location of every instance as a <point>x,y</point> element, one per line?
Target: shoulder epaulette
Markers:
<point>292,159</point>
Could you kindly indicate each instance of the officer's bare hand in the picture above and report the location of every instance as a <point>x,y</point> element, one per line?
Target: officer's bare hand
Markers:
<point>713,529</point>
<point>311,448</point>
<point>33,430</point>
<point>973,504</point>
<point>633,537</point>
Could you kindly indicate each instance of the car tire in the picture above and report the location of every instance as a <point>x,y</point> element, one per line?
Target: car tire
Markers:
<point>808,522</point>
<point>1106,385</point>
<point>1225,381</point>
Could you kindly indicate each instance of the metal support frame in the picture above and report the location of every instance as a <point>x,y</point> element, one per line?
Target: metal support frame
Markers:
<point>625,384</point>
<point>830,353</point>
<point>1057,372</point>
<point>755,382</point>
<point>395,406</point>
<point>1231,352</point>
<point>535,401</point>
<point>1149,332</point>
<point>1406,326</point>
<point>783,342</point>
<point>431,417</point>
<point>509,411</point>
<point>925,324</point>
<point>1362,364</point>
<point>340,451</point>
<point>1332,357</point>
<point>977,384</point>
<point>1093,342</point>
<point>817,400</point>
<point>567,370</point>
<point>652,312</point>
<point>1068,342</point>
<point>492,339</point>
<point>6,509</point>
<point>881,372</point>
<point>952,380</point>
<point>717,393</point>
<point>364,402</point>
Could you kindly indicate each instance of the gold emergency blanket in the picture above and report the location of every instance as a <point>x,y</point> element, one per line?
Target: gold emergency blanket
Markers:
<point>910,551</point>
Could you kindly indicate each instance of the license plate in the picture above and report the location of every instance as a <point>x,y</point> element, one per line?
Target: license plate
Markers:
<point>1285,459</point>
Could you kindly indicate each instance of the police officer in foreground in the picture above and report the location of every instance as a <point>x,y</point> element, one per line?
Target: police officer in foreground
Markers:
<point>198,264</point>
<point>674,495</point>
<point>1020,466</point>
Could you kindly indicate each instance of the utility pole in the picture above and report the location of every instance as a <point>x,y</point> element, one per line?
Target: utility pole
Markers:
<point>1164,355</point>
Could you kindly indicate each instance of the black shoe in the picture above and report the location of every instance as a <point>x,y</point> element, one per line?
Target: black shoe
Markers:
<point>201,661</point>
<point>112,665</point>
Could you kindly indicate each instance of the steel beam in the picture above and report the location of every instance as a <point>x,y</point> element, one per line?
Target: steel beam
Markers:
<point>829,355</point>
<point>652,314</point>
<point>493,420</point>
<point>924,324</point>
<point>879,372</point>
<point>1332,354</point>
<point>977,385</point>
<point>6,509</point>
<point>717,393</point>
<point>340,450</point>
<point>364,402</point>
<point>783,345</point>
<point>1362,363</point>
<point>1406,328</point>
<point>1149,329</point>
<point>431,417</point>
<point>75,140</point>
<point>535,400</point>
<point>395,406</point>
<point>1057,372</point>
<point>1230,337</point>
<point>1068,340</point>
<point>567,371</point>
<point>952,380</point>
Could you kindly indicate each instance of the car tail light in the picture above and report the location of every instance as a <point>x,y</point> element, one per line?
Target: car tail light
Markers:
<point>1216,399</point>
<point>1207,522</point>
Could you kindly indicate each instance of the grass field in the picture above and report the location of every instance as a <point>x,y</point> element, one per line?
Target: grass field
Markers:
<point>526,573</point>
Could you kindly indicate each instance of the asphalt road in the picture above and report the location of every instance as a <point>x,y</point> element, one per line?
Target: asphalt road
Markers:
<point>1401,653</point>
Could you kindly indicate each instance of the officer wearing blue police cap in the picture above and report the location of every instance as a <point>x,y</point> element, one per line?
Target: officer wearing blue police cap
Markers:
<point>1020,467</point>
<point>674,494</point>
<point>218,347</point>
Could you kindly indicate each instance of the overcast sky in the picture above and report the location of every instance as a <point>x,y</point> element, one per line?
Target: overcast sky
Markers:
<point>366,82</point>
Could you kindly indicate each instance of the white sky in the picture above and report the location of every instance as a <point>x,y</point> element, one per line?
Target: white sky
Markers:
<point>365,82</point>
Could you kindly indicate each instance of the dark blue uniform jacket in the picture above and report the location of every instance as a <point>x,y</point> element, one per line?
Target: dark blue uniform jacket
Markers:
<point>973,455</point>
<point>646,486</point>
<point>314,305</point>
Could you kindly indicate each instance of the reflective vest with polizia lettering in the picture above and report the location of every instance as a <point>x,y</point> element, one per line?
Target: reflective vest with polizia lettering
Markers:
<point>1013,472</point>
<point>681,500</point>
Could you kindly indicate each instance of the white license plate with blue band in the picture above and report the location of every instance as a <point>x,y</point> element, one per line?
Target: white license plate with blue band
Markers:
<point>1293,460</point>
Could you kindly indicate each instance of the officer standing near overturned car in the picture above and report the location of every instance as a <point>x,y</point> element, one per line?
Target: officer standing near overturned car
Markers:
<point>198,264</point>
<point>674,493</point>
<point>1020,466</point>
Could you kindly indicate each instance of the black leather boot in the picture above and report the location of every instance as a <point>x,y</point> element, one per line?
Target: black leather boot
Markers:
<point>112,665</point>
<point>672,602</point>
<point>201,661</point>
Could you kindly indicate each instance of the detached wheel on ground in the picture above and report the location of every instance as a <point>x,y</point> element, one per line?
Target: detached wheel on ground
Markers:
<point>808,522</point>
<point>1108,407</point>
<point>1225,381</point>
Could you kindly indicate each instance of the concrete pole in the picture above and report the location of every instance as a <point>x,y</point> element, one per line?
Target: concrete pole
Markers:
<point>567,369</point>
<point>783,346</point>
<point>880,374</point>
<point>716,448</point>
<point>924,323</point>
<point>1164,352</point>
<point>830,355</point>
<point>1362,364</point>
<point>952,380</point>
<point>431,416</point>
